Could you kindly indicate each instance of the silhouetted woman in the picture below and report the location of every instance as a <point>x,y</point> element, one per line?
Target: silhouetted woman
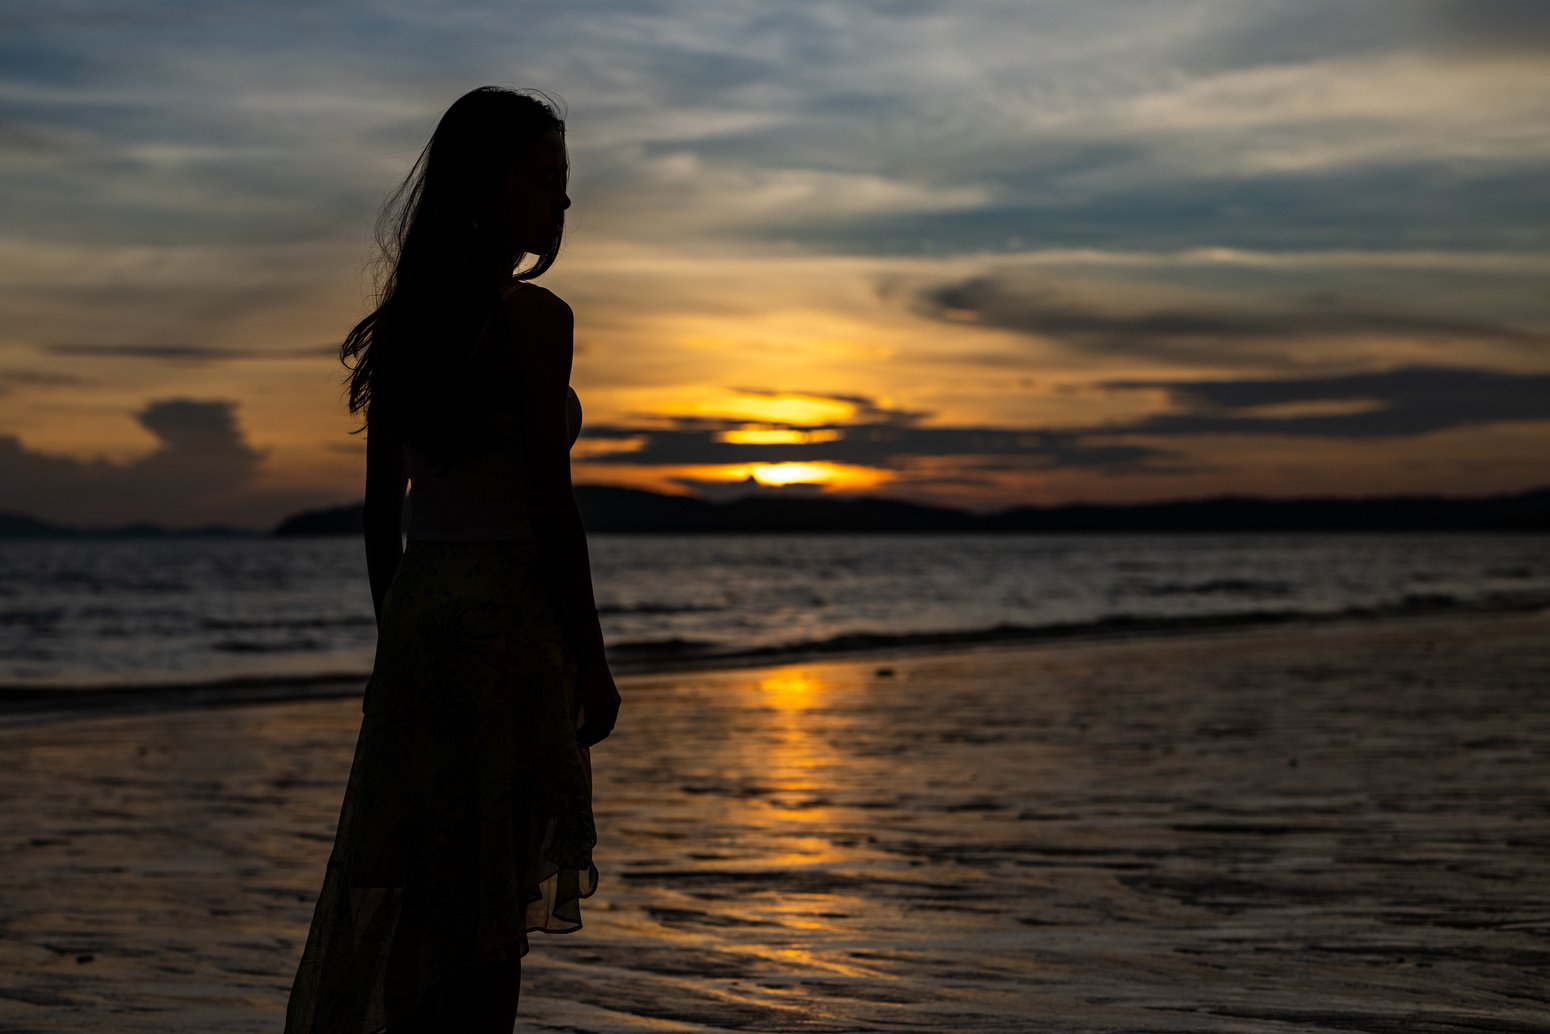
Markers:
<point>467,818</point>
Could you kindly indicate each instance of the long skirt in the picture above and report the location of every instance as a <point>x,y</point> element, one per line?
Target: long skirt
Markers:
<point>467,817</point>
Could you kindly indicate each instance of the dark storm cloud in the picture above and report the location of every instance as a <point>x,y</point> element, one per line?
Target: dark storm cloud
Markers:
<point>202,454</point>
<point>1407,401</point>
<point>1187,332</point>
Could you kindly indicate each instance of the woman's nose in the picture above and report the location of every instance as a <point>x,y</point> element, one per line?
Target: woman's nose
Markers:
<point>566,203</point>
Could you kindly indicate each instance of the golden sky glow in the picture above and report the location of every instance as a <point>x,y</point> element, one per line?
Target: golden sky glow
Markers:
<point>794,409</point>
<point>776,436</point>
<point>793,473</point>
<point>1162,257</point>
<point>829,475</point>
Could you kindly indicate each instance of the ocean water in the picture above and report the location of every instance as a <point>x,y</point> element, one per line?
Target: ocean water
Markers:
<point>95,613</point>
<point>1258,833</point>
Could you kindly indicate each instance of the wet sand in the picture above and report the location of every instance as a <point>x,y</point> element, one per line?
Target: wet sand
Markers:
<point>1341,828</point>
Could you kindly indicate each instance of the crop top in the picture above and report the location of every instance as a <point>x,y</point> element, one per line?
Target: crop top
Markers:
<point>477,498</point>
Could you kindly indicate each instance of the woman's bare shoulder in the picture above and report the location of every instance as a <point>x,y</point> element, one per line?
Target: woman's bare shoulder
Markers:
<point>541,328</point>
<point>531,301</point>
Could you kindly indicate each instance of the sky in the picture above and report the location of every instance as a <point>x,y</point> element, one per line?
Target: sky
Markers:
<point>970,252</point>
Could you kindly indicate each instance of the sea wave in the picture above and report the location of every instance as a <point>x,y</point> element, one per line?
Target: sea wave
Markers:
<point>31,702</point>
<point>263,624</point>
<point>697,653</point>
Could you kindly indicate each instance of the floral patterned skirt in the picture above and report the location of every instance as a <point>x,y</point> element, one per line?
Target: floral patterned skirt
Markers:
<point>467,818</point>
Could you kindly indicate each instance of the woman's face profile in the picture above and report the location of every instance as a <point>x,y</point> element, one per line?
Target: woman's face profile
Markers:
<point>533,200</point>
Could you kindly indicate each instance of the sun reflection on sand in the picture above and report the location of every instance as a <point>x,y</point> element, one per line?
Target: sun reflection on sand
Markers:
<point>806,963</point>
<point>1095,835</point>
<point>790,689</point>
<point>799,765</point>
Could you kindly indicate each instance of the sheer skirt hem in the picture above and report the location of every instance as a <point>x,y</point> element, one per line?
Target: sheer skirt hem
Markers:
<point>467,820</point>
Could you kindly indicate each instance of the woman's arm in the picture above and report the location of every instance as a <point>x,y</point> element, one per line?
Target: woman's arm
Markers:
<point>541,326</point>
<point>387,477</point>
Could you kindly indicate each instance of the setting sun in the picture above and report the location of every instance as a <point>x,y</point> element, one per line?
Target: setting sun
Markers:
<point>792,473</point>
<point>832,477</point>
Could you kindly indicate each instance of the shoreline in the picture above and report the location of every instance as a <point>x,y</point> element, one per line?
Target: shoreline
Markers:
<point>1329,828</point>
<point>24,706</point>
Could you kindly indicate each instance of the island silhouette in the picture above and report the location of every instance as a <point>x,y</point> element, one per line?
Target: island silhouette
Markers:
<point>609,508</point>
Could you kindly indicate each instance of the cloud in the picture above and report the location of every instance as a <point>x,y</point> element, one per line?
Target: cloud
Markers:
<point>1190,330</point>
<point>176,174</point>
<point>10,380</point>
<point>1495,26</point>
<point>1255,35</point>
<point>857,128</point>
<point>190,353</point>
<point>1402,402</point>
<point>884,439</point>
<point>1393,403</point>
<point>271,125</point>
<point>863,407</point>
<point>1124,195</point>
<point>202,459</point>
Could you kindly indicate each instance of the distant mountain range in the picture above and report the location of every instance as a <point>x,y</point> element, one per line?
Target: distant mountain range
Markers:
<point>611,509</point>
<point>606,509</point>
<point>21,526</point>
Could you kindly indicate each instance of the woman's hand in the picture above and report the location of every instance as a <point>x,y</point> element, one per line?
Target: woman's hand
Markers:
<point>599,702</point>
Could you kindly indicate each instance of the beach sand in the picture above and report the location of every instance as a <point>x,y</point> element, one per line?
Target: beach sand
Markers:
<point>1341,827</point>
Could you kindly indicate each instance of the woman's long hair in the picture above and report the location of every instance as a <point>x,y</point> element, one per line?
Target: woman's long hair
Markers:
<point>444,271</point>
